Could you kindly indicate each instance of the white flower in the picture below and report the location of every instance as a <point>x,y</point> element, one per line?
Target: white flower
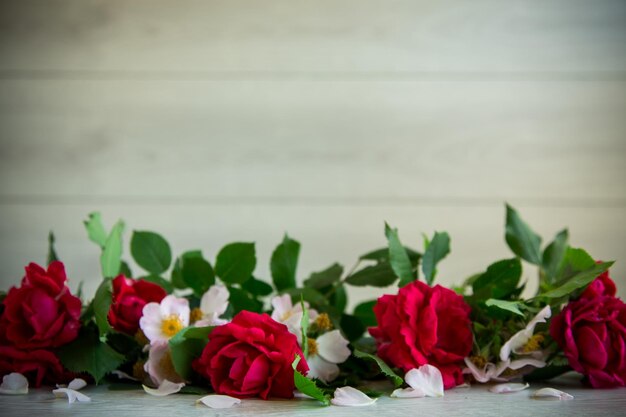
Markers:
<point>160,322</point>
<point>165,388</point>
<point>14,384</point>
<point>351,397</point>
<point>72,395</point>
<point>425,381</point>
<point>325,353</point>
<point>517,342</point>
<point>159,364</point>
<point>213,304</point>
<point>289,315</point>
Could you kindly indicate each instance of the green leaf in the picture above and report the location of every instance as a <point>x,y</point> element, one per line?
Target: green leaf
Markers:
<point>499,281</point>
<point>437,249</point>
<point>111,257</point>
<point>125,270</point>
<point>379,275</point>
<point>575,261</point>
<point>102,305</point>
<point>257,287</point>
<point>241,300</point>
<point>177,274</point>
<point>197,273</point>
<point>95,229</point>
<point>365,313</point>
<point>308,386</point>
<point>339,299</point>
<point>304,327</point>
<point>352,327</point>
<point>313,297</point>
<point>151,251</point>
<point>52,253</point>
<point>187,345</point>
<point>398,258</point>
<point>88,354</point>
<point>553,256</point>
<point>236,262</point>
<point>521,239</point>
<point>382,255</point>
<point>160,281</point>
<point>325,278</point>
<point>284,263</point>
<point>579,280</point>
<point>384,368</point>
<point>511,306</point>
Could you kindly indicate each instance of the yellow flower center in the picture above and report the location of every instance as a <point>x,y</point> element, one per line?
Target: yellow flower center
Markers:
<point>312,345</point>
<point>479,361</point>
<point>171,325</point>
<point>534,343</point>
<point>286,316</point>
<point>322,322</point>
<point>196,314</point>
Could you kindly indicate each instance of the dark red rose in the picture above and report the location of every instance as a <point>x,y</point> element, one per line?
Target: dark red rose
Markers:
<point>38,366</point>
<point>424,325</point>
<point>592,333</point>
<point>602,285</point>
<point>129,297</point>
<point>41,313</point>
<point>251,357</point>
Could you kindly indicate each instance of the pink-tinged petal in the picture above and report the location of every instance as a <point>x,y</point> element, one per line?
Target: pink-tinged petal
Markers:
<point>407,393</point>
<point>427,379</point>
<point>219,401</point>
<point>551,393</point>
<point>321,369</point>
<point>14,384</point>
<point>165,388</point>
<point>333,347</point>
<point>351,397</point>
<point>215,300</point>
<point>72,395</point>
<point>508,387</point>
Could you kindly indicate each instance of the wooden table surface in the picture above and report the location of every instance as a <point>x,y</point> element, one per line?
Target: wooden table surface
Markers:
<point>473,401</point>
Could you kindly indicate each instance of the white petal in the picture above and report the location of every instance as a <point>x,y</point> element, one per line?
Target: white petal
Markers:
<point>72,395</point>
<point>333,347</point>
<point>210,320</point>
<point>552,393</point>
<point>515,343</point>
<point>219,401</point>
<point>520,363</point>
<point>426,378</point>
<point>541,317</point>
<point>407,393</point>
<point>322,369</point>
<point>77,384</point>
<point>172,305</point>
<point>165,388</point>
<point>351,397</point>
<point>123,375</point>
<point>215,300</point>
<point>508,387</point>
<point>480,375</point>
<point>14,384</point>
<point>282,304</point>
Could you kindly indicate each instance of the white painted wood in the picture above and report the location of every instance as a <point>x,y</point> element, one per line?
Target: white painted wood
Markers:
<point>327,234</point>
<point>473,401</point>
<point>314,142</point>
<point>378,37</point>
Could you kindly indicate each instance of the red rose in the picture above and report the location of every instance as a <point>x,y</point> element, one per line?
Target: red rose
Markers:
<point>424,325</point>
<point>592,333</point>
<point>251,356</point>
<point>37,365</point>
<point>129,297</point>
<point>42,312</point>
<point>602,285</point>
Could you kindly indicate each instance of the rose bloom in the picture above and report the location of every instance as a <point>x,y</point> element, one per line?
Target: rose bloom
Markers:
<point>38,366</point>
<point>129,298</point>
<point>251,356</point>
<point>424,325</point>
<point>592,333</point>
<point>42,312</point>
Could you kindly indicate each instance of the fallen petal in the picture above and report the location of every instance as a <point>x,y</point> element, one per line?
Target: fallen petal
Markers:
<point>351,397</point>
<point>166,388</point>
<point>123,375</point>
<point>72,395</point>
<point>407,393</point>
<point>14,384</point>
<point>219,401</point>
<point>552,393</point>
<point>508,387</point>
<point>77,384</point>
<point>427,379</point>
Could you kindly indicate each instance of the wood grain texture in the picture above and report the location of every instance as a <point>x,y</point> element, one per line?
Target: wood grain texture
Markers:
<point>474,401</point>
<point>378,37</point>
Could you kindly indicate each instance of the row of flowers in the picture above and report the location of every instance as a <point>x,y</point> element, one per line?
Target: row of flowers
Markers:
<point>424,337</point>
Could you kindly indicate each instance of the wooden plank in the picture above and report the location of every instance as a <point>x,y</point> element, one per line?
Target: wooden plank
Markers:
<point>321,142</point>
<point>197,38</point>
<point>328,234</point>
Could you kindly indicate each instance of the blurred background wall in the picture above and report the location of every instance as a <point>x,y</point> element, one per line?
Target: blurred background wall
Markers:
<point>215,121</point>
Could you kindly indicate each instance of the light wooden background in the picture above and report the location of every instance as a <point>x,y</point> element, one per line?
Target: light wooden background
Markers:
<point>214,121</point>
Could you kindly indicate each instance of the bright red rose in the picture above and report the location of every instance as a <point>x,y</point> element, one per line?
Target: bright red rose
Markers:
<point>129,297</point>
<point>42,312</point>
<point>37,366</point>
<point>251,357</point>
<point>592,333</point>
<point>424,325</point>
